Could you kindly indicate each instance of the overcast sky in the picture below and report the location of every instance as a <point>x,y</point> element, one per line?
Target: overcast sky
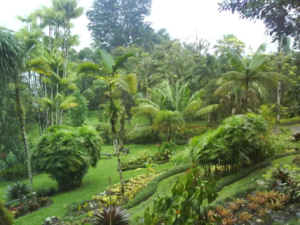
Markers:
<point>183,19</point>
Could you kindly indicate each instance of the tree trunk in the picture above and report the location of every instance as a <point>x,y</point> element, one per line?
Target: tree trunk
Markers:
<point>20,114</point>
<point>52,115</point>
<point>113,120</point>
<point>122,131</point>
<point>246,100</point>
<point>278,107</point>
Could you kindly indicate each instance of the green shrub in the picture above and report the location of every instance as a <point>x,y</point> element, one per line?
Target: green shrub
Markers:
<point>105,133</point>
<point>78,113</point>
<point>45,191</point>
<point>66,153</point>
<point>14,173</point>
<point>16,190</point>
<point>240,140</point>
<point>189,131</point>
<point>6,218</point>
<point>165,150</point>
<point>185,204</point>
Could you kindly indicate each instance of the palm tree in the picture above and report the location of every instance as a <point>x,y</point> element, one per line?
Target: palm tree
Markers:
<point>168,122</point>
<point>115,82</point>
<point>248,75</point>
<point>11,62</point>
<point>165,98</point>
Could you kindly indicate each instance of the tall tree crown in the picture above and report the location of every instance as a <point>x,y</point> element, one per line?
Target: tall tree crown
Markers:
<point>119,23</point>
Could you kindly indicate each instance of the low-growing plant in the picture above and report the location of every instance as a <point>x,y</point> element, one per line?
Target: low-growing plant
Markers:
<point>253,206</point>
<point>239,202</point>
<point>262,212</point>
<point>142,157</point>
<point>222,211</point>
<point>283,198</point>
<point>233,206</point>
<point>274,205</point>
<point>186,202</point>
<point>296,160</point>
<point>6,218</point>
<point>245,216</point>
<point>165,150</point>
<point>279,175</point>
<point>111,216</point>
<point>45,191</point>
<point>151,187</point>
<point>228,220</point>
<point>16,190</point>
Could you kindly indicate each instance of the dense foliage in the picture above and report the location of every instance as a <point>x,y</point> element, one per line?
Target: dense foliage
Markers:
<point>6,217</point>
<point>240,140</point>
<point>78,113</point>
<point>119,23</point>
<point>17,190</point>
<point>185,204</point>
<point>280,17</point>
<point>66,153</point>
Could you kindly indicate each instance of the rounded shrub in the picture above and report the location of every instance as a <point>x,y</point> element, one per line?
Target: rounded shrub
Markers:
<point>66,153</point>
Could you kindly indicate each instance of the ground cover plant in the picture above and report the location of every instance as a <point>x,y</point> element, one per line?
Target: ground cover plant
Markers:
<point>272,200</point>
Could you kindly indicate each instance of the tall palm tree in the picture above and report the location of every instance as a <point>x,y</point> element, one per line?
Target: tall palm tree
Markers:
<point>115,82</point>
<point>249,74</point>
<point>11,62</point>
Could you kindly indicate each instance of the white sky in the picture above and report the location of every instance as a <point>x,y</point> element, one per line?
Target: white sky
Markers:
<point>183,19</point>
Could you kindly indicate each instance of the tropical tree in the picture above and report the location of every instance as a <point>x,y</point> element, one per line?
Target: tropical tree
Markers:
<point>119,23</point>
<point>115,82</point>
<point>66,153</point>
<point>165,103</point>
<point>280,17</point>
<point>11,63</point>
<point>229,41</point>
<point>249,74</point>
<point>168,122</point>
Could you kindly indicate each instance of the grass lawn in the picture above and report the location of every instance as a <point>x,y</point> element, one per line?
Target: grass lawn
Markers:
<point>94,182</point>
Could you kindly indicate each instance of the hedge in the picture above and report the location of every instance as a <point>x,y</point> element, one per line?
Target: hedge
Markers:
<point>150,189</point>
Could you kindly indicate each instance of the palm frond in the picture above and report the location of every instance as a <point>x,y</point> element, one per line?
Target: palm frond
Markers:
<point>230,76</point>
<point>88,68</point>
<point>120,60</point>
<point>146,101</point>
<point>139,131</point>
<point>68,102</point>
<point>226,87</point>
<point>107,59</point>
<point>146,109</point>
<point>193,106</point>
<point>38,65</point>
<point>207,109</point>
<point>127,83</point>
